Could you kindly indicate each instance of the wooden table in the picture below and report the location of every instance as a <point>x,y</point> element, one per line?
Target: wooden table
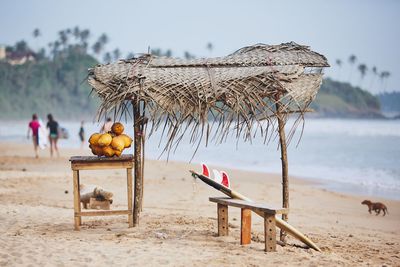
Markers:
<point>79,163</point>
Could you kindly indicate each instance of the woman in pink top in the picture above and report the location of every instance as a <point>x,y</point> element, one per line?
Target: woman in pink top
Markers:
<point>34,127</point>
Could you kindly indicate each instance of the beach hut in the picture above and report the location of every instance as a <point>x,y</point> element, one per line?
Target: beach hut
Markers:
<point>252,90</point>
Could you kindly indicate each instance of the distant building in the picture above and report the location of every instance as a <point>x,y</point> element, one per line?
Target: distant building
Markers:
<point>18,58</point>
<point>2,52</point>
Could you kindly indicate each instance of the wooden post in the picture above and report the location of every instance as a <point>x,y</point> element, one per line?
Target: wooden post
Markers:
<point>245,227</point>
<point>137,161</point>
<point>269,232</point>
<point>129,188</point>
<point>77,200</point>
<point>285,179</point>
<point>222,211</point>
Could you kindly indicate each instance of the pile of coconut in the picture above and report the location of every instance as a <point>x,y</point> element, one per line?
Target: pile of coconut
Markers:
<point>111,143</point>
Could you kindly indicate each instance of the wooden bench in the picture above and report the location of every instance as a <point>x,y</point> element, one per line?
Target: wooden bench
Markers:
<point>79,163</point>
<point>245,225</point>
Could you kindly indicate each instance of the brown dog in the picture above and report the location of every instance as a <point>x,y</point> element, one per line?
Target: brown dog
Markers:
<point>377,207</point>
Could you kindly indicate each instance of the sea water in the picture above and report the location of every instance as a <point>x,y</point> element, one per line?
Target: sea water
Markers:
<point>354,156</point>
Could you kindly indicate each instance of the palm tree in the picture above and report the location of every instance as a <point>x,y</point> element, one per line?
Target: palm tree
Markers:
<point>76,33</point>
<point>130,55</point>
<point>339,63</point>
<point>373,77</point>
<point>363,70</point>
<point>187,55</point>
<point>352,61</point>
<point>210,47</point>
<point>97,47</point>
<point>168,53</point>
<point>107,57</point>
<point>84,36</point>
<point>36,33</point>
<point>384,75</point>
<point>103,39</point>
<point>116,54</point>
<point>63,38</point>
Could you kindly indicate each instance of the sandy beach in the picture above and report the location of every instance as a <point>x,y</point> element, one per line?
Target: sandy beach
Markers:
<point>178,224</point>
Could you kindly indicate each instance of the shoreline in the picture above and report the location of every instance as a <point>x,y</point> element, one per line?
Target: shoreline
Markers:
<point>318,183</point>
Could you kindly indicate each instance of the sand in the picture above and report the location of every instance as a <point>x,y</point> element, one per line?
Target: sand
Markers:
<point>178,224</point>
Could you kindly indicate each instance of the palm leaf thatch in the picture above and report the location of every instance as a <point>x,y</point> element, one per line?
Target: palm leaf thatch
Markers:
<point>236,93</point>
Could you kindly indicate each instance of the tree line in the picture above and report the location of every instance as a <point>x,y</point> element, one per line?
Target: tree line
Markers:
<point>363,69</point>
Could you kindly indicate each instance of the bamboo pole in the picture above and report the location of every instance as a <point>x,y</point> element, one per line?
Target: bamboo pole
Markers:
<point>284,160</point>
<point>137,157</point>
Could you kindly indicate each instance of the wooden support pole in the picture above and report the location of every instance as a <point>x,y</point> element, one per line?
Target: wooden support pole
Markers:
<point>285,179</point>
<point>222,211</point>
<point>269,232</point>
<point>129,188</point>
<point>245,227</point>
<point>77,200</point>
<point>137,157</point>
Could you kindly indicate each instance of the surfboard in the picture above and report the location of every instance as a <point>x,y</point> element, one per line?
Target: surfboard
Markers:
<point>42,135</point>
<point>279,222</point>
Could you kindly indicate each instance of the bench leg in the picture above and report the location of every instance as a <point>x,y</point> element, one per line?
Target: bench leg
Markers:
<point>77,200</point>
<point>269,232</point>
<point>245,227</point>
<point>222,211</point>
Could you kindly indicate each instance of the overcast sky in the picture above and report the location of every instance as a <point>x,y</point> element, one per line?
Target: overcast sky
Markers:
<point>368,29</point>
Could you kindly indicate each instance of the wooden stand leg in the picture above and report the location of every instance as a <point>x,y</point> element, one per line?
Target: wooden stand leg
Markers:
<point>223,228</point>
<point>269,232</point>
<point>77,204</point>
<point>245,228</point>
<point>129,188</point>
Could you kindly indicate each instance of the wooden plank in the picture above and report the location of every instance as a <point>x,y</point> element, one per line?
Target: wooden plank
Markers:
<point>129,188</point>
<point>94,159</point>
<point>102,166</point>
<point>269,232</point>
<point>248,205</point>
<point>222,211</point>
<point>104,213</point>
<point>77,203</point>
<point>245,227</point>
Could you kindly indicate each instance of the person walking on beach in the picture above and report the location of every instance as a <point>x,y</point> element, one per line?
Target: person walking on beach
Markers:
<point>52,125</point>
<point>106,126</point>
<point>82,134</point>
<point>34,126</point>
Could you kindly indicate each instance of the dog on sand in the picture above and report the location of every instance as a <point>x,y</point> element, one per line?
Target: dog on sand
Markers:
<point>375,206</point>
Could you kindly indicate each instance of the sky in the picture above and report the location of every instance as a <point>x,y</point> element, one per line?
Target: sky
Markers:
<point>336,28</point>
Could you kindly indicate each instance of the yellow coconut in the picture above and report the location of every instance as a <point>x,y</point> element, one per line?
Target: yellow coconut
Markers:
<point>118,143</point>
<point>94,138</point>
<point>105,140</point>
<point>117,128</point>
<point>127,140</point>
<point>108,151</point>
<point>96,150</point>
<point>117,153</point>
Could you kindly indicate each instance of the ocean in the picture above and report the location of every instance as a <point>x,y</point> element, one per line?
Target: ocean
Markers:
<point>343,155</point>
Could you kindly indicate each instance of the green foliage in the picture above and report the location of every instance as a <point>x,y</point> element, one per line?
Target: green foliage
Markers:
<point>343,100</point>
<point>55,86</point>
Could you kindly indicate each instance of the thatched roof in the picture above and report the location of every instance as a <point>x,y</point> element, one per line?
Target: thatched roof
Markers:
<point>237,91</point>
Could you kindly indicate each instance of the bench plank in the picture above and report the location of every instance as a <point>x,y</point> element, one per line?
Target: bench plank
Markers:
<point>248,205</point>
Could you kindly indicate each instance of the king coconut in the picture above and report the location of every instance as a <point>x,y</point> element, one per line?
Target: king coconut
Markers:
<point>111,143</point>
